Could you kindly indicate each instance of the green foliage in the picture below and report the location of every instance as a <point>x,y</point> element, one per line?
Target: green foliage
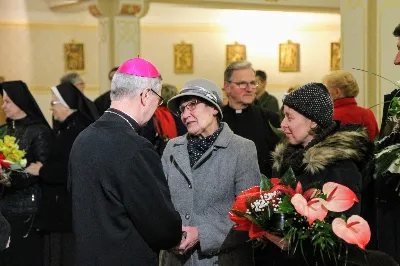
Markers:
<point>394,108</point>
<point>289,179</point>
<point>277,132</point>
<point>247,216</point>
<point>265,184</point>
<point>286,206</point>
<point>3,130</point>
<point>387,160</point>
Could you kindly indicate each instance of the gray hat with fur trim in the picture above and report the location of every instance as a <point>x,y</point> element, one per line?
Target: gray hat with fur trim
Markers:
<point>202,88</point>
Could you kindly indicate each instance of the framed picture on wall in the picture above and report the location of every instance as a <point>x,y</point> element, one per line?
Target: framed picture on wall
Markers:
<point>335,55</point>
<point>74,57</point>
<point>183,58</point>
<point>289,57</point>
<point>235,52</point>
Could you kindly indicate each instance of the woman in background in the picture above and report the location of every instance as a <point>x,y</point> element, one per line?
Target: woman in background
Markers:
<point>343,89</point>
<point>74,112</point>
<point>27,124</point>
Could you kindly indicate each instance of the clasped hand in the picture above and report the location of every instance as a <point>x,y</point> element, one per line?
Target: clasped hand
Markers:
<point>34,168</point>
<point>189,240</point>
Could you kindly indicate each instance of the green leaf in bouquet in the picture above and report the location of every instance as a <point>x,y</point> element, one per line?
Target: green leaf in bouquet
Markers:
<point>387,160</point>
<point>289,179</point>
<point>3,130</point>
<point>286,206</point>
<point>15,166</point>
<point>265,184</point>
<point>247,216</point>
<point>277,132</point>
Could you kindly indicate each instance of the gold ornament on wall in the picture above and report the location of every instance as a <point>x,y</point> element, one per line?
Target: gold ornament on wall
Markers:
<point>74,57</point>
<point>235,52</point>
<point>335,55</point>
<point>183,58</point>
<point>289,57</point>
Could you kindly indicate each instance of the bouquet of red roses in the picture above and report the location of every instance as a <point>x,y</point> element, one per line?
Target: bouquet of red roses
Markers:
<point>281,207</point>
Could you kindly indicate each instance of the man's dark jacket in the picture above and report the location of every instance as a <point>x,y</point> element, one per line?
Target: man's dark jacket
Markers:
<point>122,212</point>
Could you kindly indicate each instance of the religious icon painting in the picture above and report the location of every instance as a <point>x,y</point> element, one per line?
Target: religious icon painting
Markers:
<point>183,58</point>
<point>289,57</point>
<point>235,52</point>
<point>74,57</point>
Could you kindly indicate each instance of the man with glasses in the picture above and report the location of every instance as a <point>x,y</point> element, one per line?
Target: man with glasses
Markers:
<point>250,121</point>
<point>122,209</point>
<point>246,119</point>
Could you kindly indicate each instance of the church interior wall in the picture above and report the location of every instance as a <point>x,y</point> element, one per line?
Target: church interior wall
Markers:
<point>31,47</point>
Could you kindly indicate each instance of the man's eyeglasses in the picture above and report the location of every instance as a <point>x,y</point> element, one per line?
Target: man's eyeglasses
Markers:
<point>243,84</point>
<point>160,98</point>
<point>190,106</point>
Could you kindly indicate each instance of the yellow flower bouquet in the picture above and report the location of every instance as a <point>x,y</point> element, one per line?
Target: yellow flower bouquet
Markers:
<point>11,158</point>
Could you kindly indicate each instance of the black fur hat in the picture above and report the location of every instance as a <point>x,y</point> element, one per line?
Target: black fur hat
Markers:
<point>313,101</point>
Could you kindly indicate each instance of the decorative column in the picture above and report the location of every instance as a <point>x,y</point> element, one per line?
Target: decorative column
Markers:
<point>368,44</point>
<point>119,33</point>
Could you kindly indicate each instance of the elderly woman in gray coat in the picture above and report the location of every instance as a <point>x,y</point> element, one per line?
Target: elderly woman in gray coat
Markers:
<point>206,169</point>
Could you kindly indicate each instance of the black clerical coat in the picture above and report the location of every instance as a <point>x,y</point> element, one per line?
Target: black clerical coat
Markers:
<point>121,205</point>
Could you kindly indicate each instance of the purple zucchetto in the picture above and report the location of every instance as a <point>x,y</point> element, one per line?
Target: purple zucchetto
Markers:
<point>139,67</point>
<point>313,101</point>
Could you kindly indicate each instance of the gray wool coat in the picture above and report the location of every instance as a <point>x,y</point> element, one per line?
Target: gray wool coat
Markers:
<point>203,195</point>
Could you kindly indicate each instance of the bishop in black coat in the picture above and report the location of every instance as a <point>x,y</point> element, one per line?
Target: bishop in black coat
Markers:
<point>121,205</point>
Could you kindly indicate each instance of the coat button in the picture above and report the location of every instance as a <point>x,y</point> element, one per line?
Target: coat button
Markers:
<point>190,186</point>
<point>187,216</point>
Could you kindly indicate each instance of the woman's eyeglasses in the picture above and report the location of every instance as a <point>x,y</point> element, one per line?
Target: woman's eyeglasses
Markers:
<point>190,106</point>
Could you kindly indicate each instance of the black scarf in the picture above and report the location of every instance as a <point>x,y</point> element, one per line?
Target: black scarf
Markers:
<point>197,146</point>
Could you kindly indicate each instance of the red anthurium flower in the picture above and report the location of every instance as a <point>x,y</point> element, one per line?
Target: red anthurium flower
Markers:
<point>355,231</point>
<point>275,181</point>
<point>299,188</point>
<point>242,224</point>
<point>311,193</point>
<point>2,162</point>
<point>339,198</point>
<point>256,232</point>
<point>312,209</point>
<point>240,204</point>
<point>241,200</point>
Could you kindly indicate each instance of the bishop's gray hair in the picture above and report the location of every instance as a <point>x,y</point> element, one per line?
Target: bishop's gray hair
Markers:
<point>125,86</point>
<point>235,66</point>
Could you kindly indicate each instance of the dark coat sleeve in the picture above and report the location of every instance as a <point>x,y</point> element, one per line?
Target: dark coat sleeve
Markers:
<point>55,169</point>
<point>147,199</point>
<point>39,150</point>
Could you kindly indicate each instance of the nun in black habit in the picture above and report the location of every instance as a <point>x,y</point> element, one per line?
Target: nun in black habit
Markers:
<point>19,202</point>
<point>74,112</point>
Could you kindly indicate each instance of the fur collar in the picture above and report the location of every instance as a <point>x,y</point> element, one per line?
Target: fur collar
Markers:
<point>344,144</point>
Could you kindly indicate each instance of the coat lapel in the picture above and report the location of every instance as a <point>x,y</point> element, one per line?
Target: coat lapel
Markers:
<point>181,158</point>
